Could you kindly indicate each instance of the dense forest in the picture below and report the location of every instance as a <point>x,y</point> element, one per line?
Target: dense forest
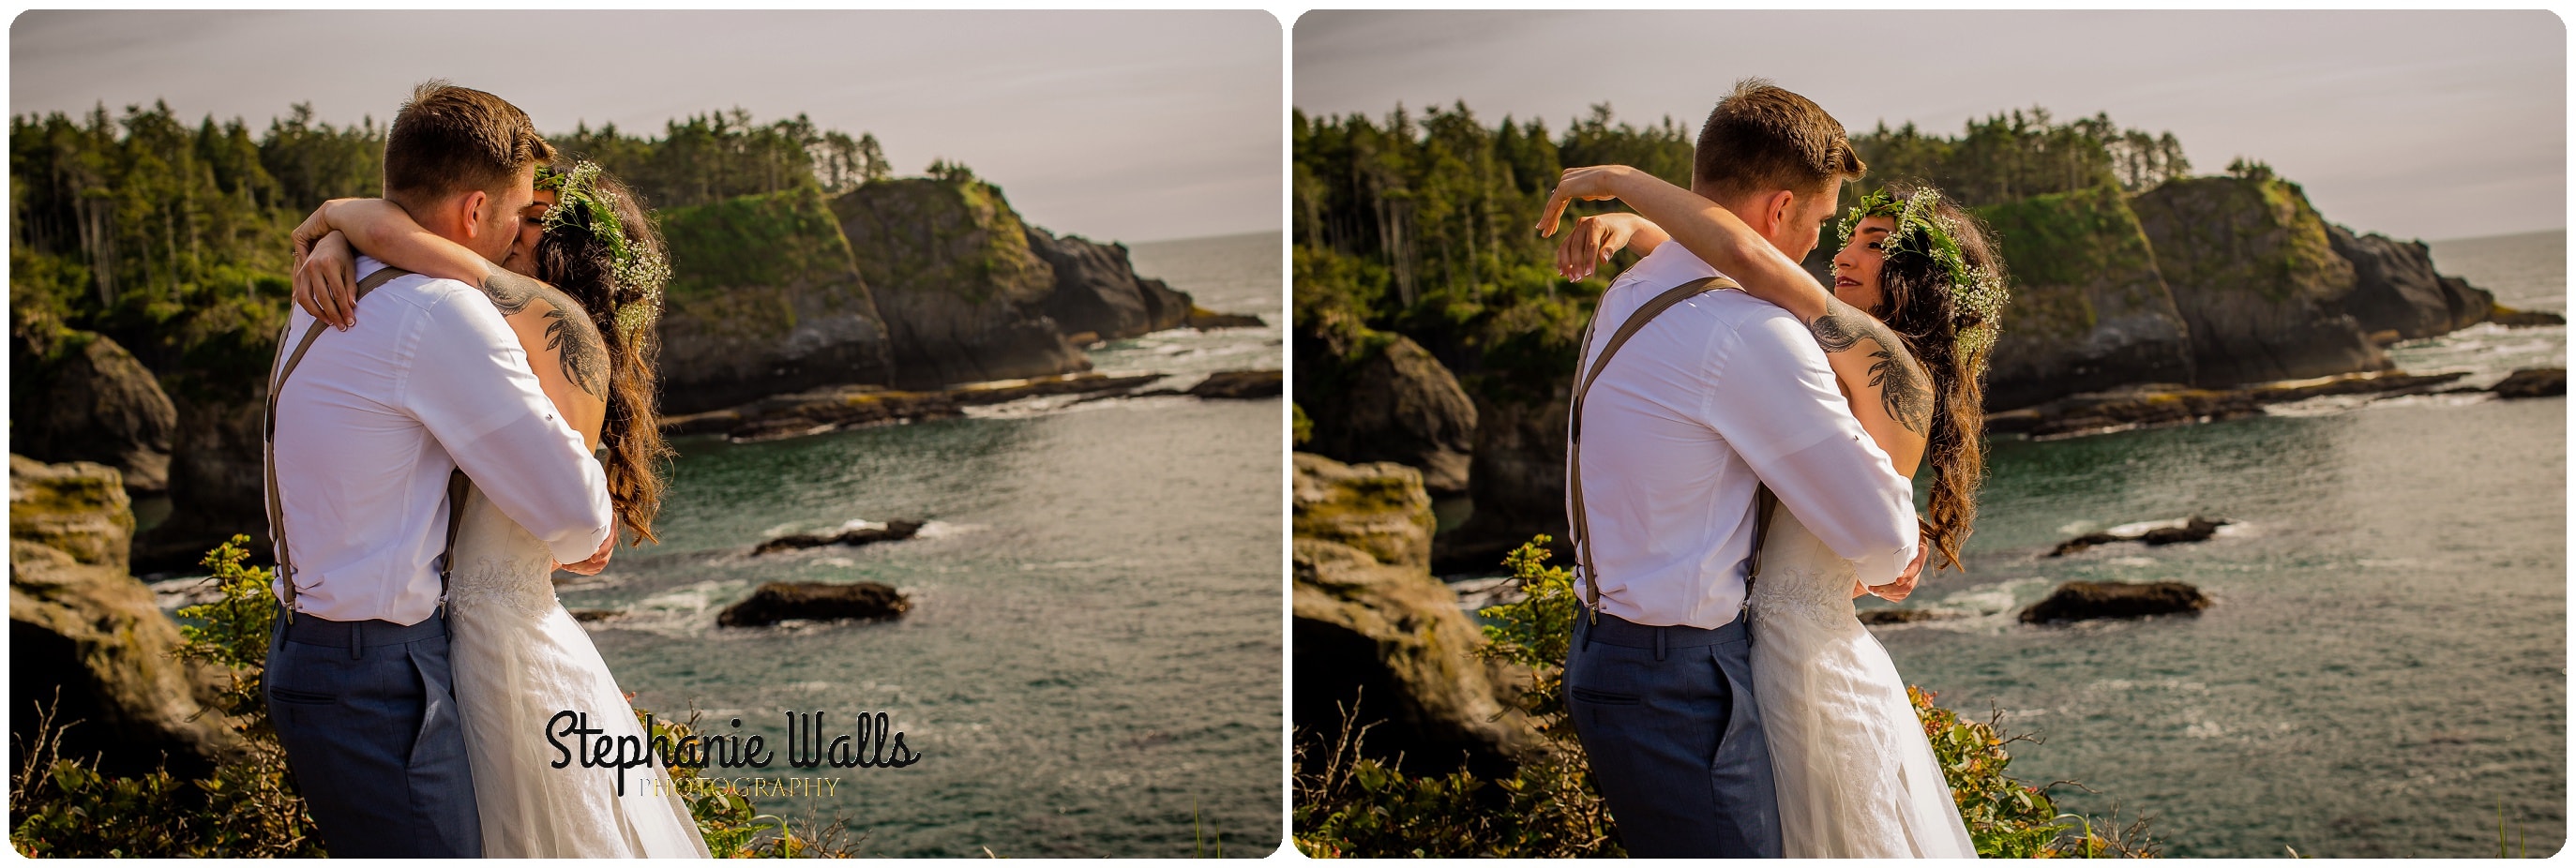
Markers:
<point>1420,224</point>
<point>171,239</point>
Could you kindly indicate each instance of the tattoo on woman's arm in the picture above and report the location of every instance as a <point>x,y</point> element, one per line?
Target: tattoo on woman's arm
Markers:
<point>569,332</point>
<point>1892,371</point>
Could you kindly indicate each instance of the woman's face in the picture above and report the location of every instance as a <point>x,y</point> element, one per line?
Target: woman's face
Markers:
<point>532,226</point>
<point>1857,267</point>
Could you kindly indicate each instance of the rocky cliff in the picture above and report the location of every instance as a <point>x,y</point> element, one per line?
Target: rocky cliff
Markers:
<point>765,298</point>
<point>84,398</point>
<point>962,293</point>
<point>1097,290</point>
<point>85,634</point>
<point>1393,402</point>
<point>2257,281</point>
<point>2089,310</point>
<point>1375,631</point>
<point>2396,289</point>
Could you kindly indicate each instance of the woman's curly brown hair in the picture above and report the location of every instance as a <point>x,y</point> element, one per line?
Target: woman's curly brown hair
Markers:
<point>577,261</point>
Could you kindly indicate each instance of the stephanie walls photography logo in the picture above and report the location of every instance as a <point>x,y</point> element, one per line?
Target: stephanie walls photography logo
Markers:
<point>872,743</point>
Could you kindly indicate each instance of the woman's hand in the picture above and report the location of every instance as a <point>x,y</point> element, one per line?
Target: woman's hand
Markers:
<point>312,230</point>
<point>326,279</point>
<point>1583,182</point>
<point>1596,237</point>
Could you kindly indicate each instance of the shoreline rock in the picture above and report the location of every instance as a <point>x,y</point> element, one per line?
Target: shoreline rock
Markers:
<point>2159,404</point>
<point>816,601</point>
<point>1239,385</point>
<point>895,530</point>
<point>834,408</point>
<point>2511,318</point>
<point>2078,601</point>
<point>1394,403</point>
<point>2532,383</point>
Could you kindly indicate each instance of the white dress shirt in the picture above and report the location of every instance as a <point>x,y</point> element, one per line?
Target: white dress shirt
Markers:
<point>373,419</point>
<point>1717,393</point>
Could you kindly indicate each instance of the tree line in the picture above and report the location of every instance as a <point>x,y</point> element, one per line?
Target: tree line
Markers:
<point>172,238</point>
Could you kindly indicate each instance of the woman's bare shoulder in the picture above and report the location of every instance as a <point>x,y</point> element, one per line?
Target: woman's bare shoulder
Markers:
<point>567,338</point>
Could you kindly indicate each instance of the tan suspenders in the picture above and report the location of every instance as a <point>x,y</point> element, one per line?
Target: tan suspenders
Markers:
<point>1763,499</point>
<point>456,481</point>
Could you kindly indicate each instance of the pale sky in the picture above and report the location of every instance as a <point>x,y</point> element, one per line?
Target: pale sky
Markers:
<point>1133,126</point>
<point>2436,125</point>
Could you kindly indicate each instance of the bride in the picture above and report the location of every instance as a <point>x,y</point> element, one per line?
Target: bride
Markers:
<point>1854,772</point>
<point>519,656</point>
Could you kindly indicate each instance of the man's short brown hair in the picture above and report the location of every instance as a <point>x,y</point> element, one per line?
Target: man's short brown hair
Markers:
<point>1763,138</point>
<point>449,140</point>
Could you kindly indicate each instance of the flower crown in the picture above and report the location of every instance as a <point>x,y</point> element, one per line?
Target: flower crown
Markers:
<point>1971,288</point>
<point>580,202</point>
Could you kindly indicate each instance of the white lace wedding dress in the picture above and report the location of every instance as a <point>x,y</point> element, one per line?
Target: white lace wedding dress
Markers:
<point>1853,768</point>
<point>520,658</point>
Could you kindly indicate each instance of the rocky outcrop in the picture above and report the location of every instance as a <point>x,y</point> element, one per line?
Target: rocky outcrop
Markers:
<point>1239,385</point>
<point>1097,290</point>
<point>2395,288</point>
<point>962,294</point>
<point>1394,402</point>
<point>2511,318</point>
<point>2157,404</point>
<point>2077,601</point>
<point>2257,281</point>
<point>898,529</point>
<point>815,601</point>
<point>2089,310</point>
<point>1386,638</point>
<point>1377,509</point>
<point>1517,480</point>
<point>2532,383</point>
<point>87,399</point>
<point>766,297</point>
<point>832,408</point>
<point>85,633</point>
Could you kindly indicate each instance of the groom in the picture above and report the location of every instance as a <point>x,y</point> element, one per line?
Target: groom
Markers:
<point>1703,403</point>
<point>367,423</point>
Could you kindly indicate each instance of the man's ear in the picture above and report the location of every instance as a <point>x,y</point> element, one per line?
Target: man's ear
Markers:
<point>471,206</point>
<point>1778,210</point>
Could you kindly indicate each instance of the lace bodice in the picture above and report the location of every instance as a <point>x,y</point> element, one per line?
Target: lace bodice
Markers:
<point>1802,577</point>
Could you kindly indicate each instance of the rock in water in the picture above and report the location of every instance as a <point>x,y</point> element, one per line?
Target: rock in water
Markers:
<point>963,295</point>
<point>2532,383</point>
<point>2195,529</point>
<point>1395,403</point>
<point>1238,384</point>
<point>2258,283</point>
<point>82,629</point>
<point>898,529</point>
<point>2395,288</point>
<point>1204,319</point>
<point>1379,509</point>
<point>2090,309</point>
<point>815,601</point>
<point>84,398</point>
<point>2076,601</point>
<point>767,299</point>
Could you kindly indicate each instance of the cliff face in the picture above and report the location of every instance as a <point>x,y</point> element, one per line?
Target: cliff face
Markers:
<point>766,298</point>
<point>2089,308</point>
<point>2256,279</point>
<point>1097,290</point>
<point>90,400</point>
<point>1394,402</point>
<point>2395,288</point>
<point>962,294</point>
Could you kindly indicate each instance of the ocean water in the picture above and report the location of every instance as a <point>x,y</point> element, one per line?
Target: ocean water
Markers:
<point>1092,666</point>
<point>2384,673</point>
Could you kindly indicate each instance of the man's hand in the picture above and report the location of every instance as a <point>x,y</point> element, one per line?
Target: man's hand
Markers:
<point>1896,591</point>
<point>326,284</point>
<point>598,560</point>
<point>1582,182</point>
